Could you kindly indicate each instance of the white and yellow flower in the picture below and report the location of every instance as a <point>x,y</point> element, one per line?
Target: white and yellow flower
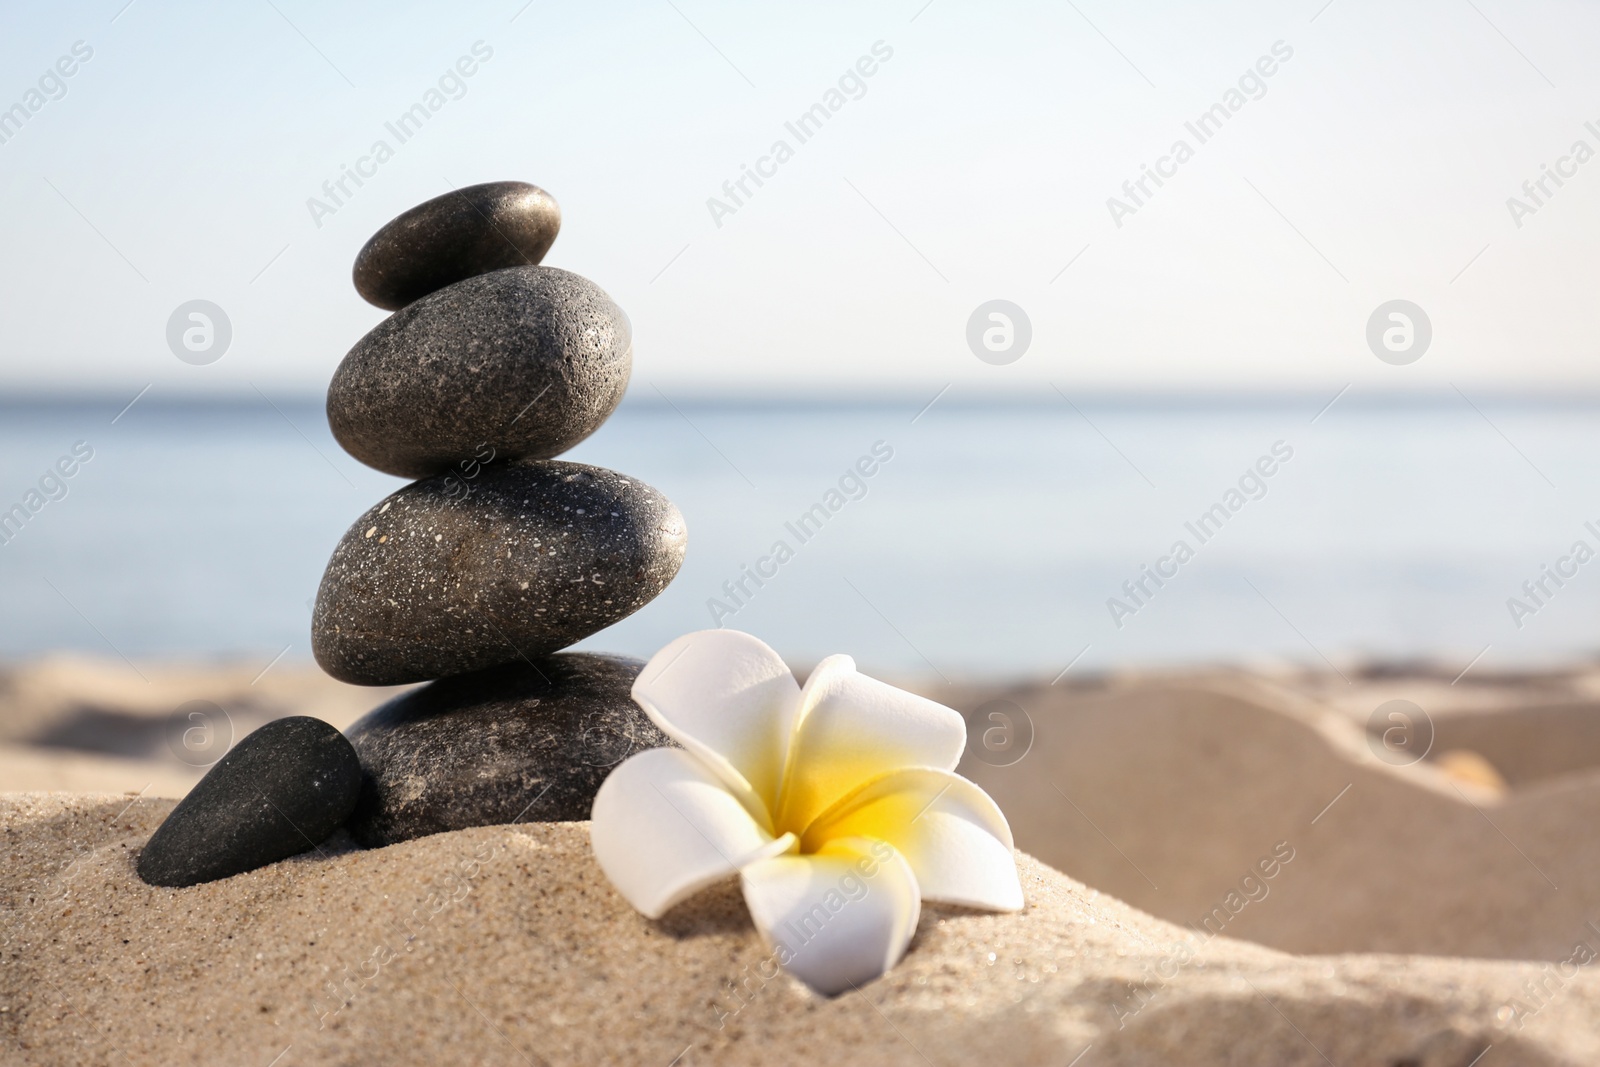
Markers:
<point>836,803</point>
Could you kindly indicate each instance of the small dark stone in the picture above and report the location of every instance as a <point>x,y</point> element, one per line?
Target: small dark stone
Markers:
<point>461,572</point>
<point>521,363</point>
<point>526,742</point>
<point>281,791</point>
<point>458,235</point>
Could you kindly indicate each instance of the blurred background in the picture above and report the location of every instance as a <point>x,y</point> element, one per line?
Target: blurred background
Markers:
<point>1313,163</point>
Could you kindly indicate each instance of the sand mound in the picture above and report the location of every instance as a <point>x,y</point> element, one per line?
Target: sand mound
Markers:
<point>1170,797</point>
<point>79,723</point>
<point>68,701</point>
<point>505,944</point>
<point>25,769</point>
<point>1529,726</point>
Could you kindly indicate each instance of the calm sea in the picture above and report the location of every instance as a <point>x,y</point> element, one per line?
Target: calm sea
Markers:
<point>989,538</point>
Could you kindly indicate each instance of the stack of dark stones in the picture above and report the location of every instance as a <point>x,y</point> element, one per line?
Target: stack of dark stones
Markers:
<point>475,576</point>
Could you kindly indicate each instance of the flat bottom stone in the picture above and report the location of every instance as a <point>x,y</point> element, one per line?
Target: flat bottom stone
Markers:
<point>524,742</point>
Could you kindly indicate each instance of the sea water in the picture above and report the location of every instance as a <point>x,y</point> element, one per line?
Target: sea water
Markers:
<point>969,537</point>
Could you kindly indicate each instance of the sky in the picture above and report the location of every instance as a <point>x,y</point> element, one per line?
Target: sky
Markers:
<point>983,158</point>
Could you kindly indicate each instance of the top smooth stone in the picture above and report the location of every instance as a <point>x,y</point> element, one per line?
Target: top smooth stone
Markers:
<point>520,363</point>
<point>456,236</point>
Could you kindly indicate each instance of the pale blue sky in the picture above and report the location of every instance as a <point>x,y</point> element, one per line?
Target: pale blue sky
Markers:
<point>978,162</point>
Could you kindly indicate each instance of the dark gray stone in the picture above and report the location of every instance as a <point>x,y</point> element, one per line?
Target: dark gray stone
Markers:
<point>457,573</point>
<point>521,363</point>
<point>458,235</point>
<point>281,791</point>
<point>527,742</point>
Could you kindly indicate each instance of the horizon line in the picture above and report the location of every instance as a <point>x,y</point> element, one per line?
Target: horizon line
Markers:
<point>1043,394</point>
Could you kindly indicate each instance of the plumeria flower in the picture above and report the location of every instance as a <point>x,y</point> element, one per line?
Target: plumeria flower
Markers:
<point>835,803</point>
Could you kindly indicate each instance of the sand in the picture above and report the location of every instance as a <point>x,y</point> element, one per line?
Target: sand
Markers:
<point>78,723</point>
<point>1428,914</point>
<point>506,945</point>
<point>1166,794</point>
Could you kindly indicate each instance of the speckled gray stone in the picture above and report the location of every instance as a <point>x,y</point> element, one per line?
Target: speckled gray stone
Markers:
<point>521,363</point>
<point>453,574</point>
<point>458,235</point>
<point>526,742</point>
<point>281,791</point>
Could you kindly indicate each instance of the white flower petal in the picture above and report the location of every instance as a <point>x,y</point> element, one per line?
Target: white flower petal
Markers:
<point>836,919</point>
<point>852,729</point>
<point>950,831</point>
<point>729,699</point>
<point>664,827</point>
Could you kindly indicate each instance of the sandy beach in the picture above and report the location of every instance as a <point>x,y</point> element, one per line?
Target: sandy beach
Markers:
<point>829,534</point>
<point>1219,868</point>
